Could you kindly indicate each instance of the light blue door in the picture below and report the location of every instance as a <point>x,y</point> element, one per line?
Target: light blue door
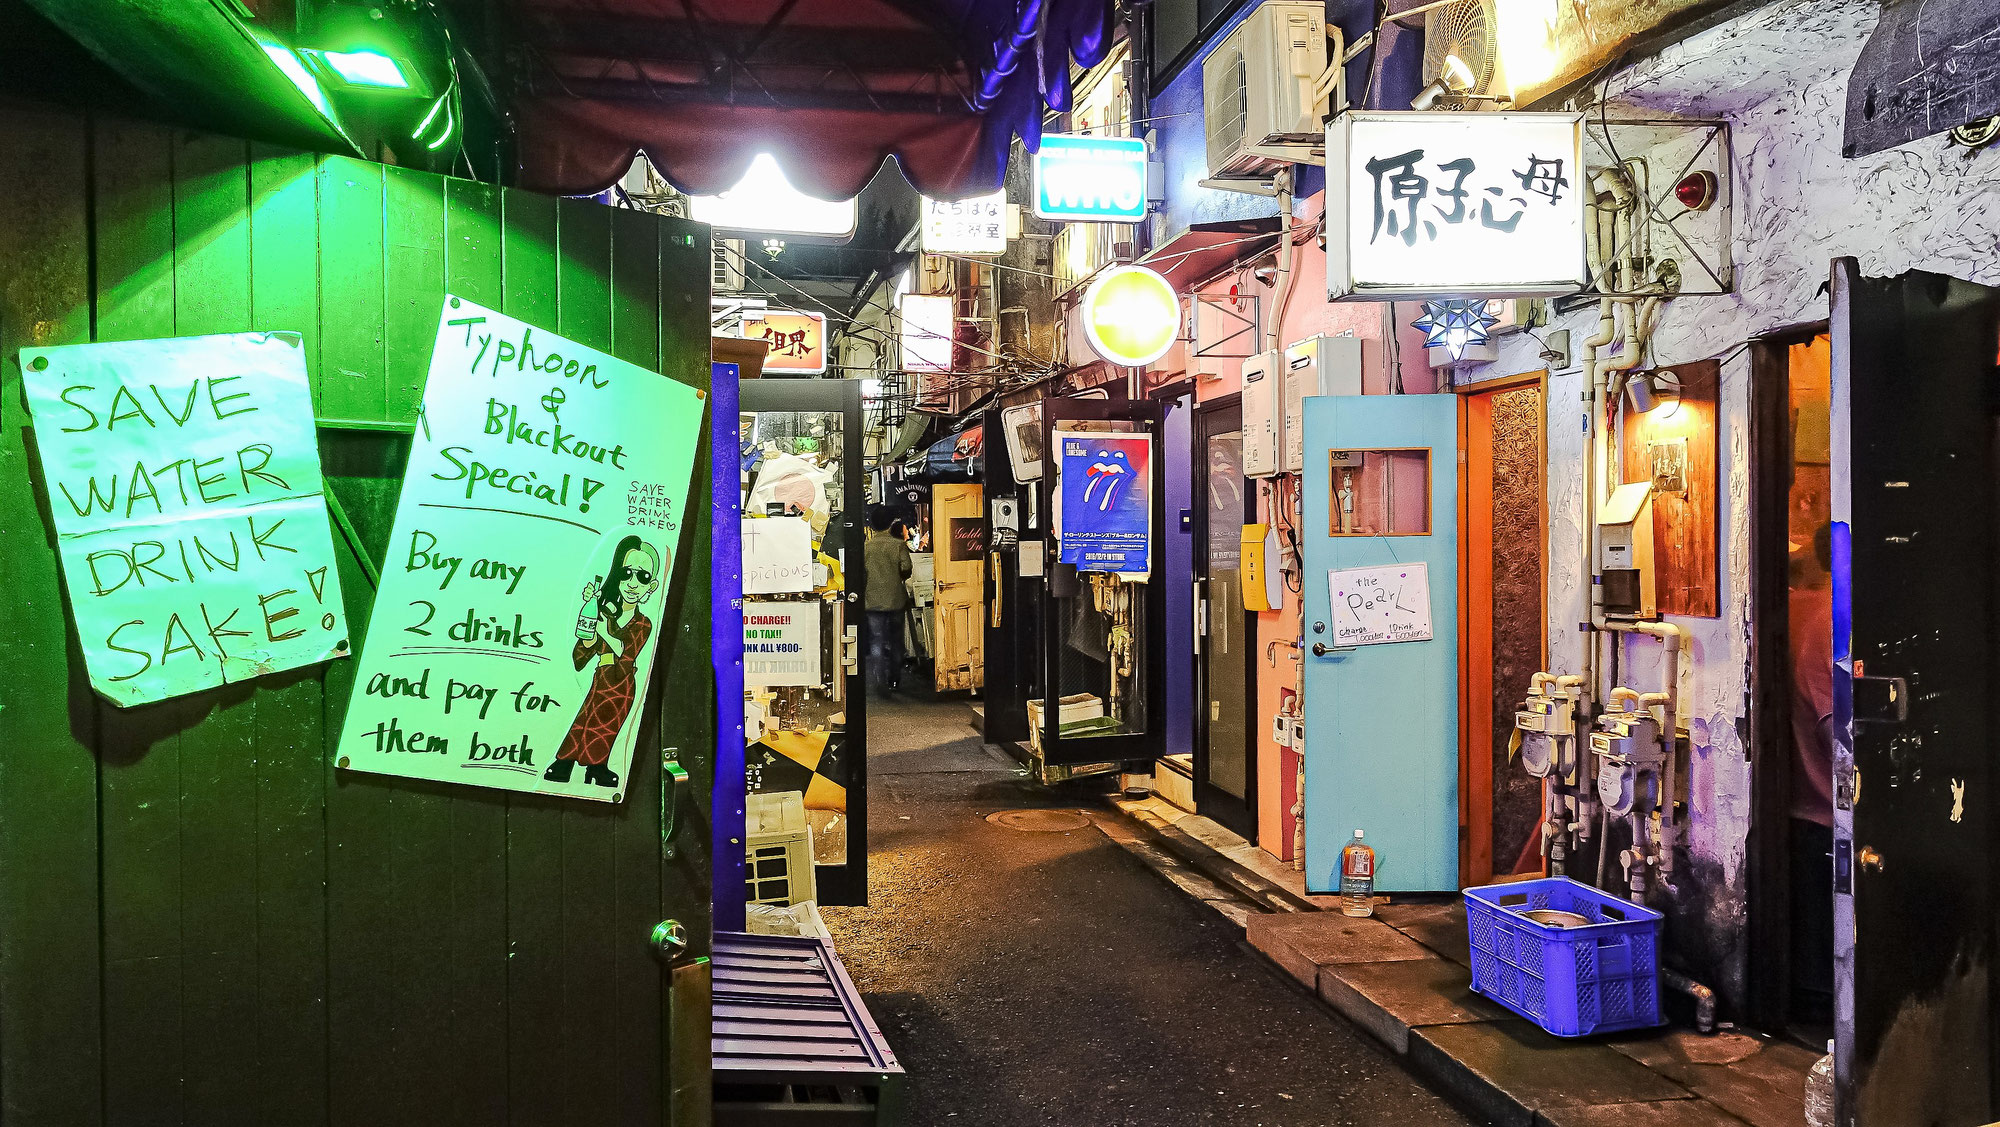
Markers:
<point>1381,526</point>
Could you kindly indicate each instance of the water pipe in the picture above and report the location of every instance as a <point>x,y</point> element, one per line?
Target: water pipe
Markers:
<point>1704,998</point>
<point>1668,701</point>
<point>1282,285</point>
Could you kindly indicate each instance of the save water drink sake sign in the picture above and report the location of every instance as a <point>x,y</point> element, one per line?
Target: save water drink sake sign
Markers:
<point>183,478</point>
<point>522,595</point>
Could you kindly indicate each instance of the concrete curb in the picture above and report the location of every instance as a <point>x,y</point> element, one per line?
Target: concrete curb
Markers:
<point>1403,976</point>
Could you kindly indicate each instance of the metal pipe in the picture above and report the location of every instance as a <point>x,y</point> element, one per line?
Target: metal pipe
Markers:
<point>1281,286</point>
<point>1675,641</point>
<point>1704,998</point>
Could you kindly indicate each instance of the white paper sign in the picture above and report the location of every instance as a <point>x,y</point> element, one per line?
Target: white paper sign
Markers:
<point>1441,204</point>
<point>183,476</point>
<point>1373,605</point>
<point>777,555</point>
<point>523,594</point>
<point>974,226</point>
<point>781,644</point>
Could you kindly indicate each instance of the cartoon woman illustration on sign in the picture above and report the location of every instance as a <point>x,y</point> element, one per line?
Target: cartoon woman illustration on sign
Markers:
<point>610,633</point>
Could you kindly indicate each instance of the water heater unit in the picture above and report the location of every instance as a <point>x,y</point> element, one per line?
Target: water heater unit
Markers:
<point>1321,365</point>
<point>1263,413</point>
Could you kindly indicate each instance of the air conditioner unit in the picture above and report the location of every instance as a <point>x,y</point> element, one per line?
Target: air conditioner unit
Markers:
<point>725,267</point>
<point>1262,92</point>
<point>1461,48</point>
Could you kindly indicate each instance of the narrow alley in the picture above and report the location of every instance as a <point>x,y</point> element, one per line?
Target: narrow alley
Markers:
<point>1046,976</point>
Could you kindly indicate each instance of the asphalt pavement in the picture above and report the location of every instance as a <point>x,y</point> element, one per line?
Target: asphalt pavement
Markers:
<point>1046,976</point>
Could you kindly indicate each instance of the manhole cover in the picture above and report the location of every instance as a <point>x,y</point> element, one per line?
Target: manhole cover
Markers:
<point>1039,821</point>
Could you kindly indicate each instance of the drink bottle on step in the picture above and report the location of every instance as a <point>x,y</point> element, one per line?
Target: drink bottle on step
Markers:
<point>1357,878</point>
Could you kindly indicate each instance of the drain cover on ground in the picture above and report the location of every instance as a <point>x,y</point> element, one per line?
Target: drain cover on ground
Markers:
<point>1039,821</point>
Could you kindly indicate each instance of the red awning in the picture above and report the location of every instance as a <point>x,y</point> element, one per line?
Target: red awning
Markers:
<point>829,87</point>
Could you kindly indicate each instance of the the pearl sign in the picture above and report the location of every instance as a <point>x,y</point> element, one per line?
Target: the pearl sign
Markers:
<point>1438,204</point>
<point>1100,179</point>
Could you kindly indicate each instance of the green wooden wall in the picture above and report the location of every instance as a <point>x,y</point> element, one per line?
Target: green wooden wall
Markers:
<point>201,921</point>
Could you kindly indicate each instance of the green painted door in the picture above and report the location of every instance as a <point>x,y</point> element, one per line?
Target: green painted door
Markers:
<point>201,920</point>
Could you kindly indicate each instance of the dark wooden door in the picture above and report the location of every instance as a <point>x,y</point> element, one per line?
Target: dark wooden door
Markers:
<point>201,920</point>
<point>1913,396</point>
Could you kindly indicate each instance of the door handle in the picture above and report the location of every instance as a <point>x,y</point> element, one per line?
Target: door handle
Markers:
<point>1869,859</point>
<point>1321,649</point>
<point>669,942</point>
<point>675,781</point>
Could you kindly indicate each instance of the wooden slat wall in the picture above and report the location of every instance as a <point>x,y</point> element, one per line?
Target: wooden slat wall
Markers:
<point>201,920</point>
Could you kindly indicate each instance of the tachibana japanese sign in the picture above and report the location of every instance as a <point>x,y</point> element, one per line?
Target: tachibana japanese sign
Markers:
<point>1437,204</point>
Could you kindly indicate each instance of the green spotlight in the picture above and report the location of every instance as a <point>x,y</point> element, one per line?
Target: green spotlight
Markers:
<point>366,68</point>
<point>289,65</point>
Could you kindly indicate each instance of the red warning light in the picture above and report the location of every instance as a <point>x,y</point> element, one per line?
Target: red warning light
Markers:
<point>1696,190</point>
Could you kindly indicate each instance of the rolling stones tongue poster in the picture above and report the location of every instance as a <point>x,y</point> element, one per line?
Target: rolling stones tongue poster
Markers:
<point>1105,522</point>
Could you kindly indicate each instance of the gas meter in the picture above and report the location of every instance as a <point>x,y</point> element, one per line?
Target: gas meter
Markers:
<point>1630,758</point>
<point>1545,720</point>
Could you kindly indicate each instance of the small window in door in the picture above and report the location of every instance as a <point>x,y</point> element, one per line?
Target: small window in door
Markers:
<point>1380,492</point>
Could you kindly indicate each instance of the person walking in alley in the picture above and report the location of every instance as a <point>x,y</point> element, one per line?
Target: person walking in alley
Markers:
<point>886,598</point>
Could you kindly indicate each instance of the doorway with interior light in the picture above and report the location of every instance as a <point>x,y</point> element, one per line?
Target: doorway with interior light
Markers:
<point>1791,836</point>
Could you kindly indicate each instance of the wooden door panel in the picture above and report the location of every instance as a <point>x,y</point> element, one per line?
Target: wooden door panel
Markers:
<point>202,920</point>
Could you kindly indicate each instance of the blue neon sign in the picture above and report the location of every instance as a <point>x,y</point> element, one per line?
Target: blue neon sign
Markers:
<point>1091,178</point>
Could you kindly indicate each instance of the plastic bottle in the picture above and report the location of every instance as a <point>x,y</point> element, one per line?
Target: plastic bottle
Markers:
<point>1819,1091</point>
<point>1357,878</point>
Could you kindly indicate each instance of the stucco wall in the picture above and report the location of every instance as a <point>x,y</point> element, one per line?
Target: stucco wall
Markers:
<point>1778,75</point>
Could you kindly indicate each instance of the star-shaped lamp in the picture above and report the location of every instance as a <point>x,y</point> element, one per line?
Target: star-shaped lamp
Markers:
<point>1455,324</point>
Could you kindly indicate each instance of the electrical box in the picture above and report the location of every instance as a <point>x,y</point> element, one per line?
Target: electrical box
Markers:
<point>1625,552</point>
<point>1321,365</point>
<point>1263,413</point>
<point>1256,593</point>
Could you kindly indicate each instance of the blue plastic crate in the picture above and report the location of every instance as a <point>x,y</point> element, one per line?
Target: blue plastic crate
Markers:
<point>1571,981</point>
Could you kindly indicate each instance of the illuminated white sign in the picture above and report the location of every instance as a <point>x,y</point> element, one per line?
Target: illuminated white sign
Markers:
<point>1437,204</point>
<point>974,226</point>
<point>1091,178</point>
<point>927,321</point>
<point>764,201</point>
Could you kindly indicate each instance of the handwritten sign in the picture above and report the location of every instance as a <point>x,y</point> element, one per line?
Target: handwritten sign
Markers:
<point>1374,605</point>
<point>781,644</point>
<point>520,610</point>
<point>184,479</point>
<point>777,555</point>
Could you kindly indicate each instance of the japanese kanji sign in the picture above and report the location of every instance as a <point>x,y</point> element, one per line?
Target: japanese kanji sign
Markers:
<point>1438,204</point>
<point>797,340</point>
<point>183,477</point>
<point>974,226</point>
<point>526,586</point>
